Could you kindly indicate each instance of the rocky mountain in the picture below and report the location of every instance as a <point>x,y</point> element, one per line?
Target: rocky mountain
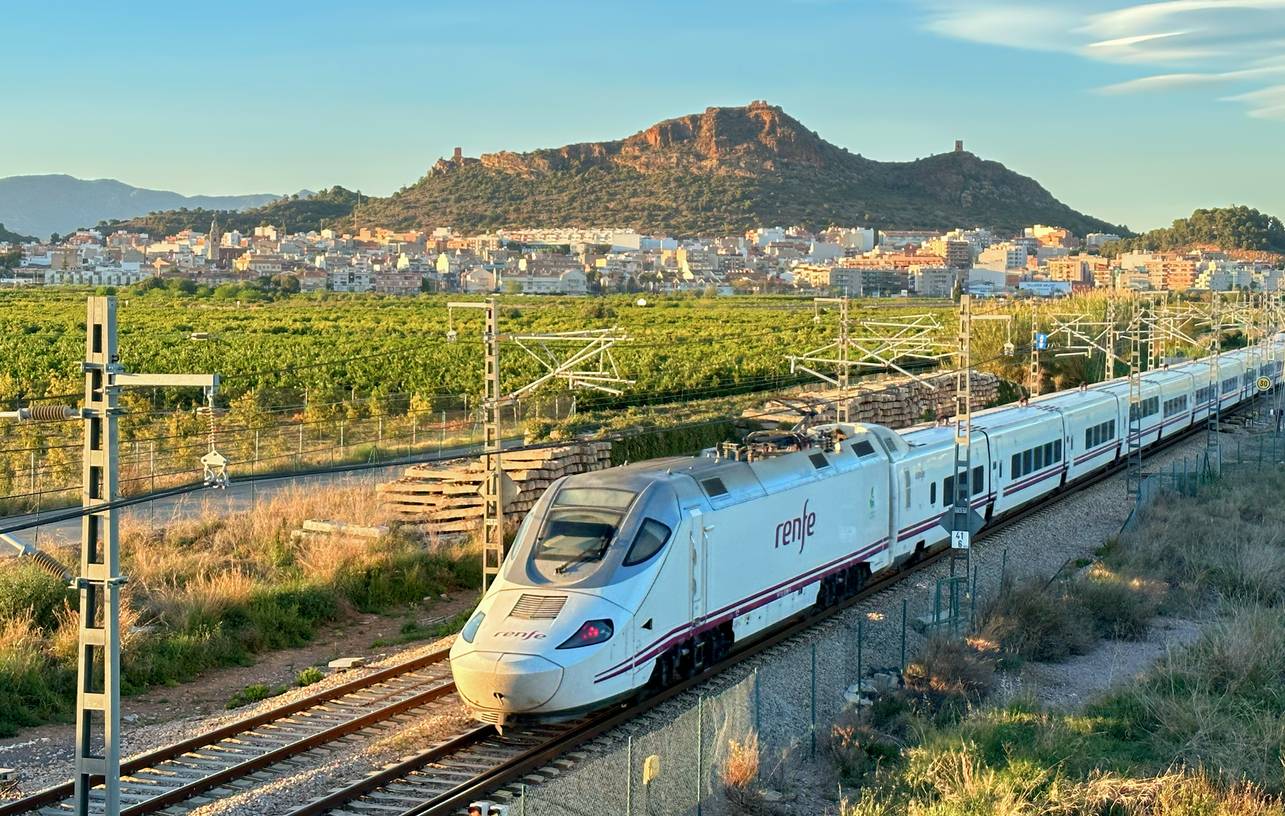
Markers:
<point>41,205</point>
<point>718,172</point>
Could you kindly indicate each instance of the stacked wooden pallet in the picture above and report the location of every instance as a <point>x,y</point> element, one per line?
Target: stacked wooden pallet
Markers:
<point>894,402</point>
<point>448,498</point>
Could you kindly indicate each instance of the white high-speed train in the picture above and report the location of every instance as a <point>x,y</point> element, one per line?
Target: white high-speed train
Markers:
<point>642,574</point>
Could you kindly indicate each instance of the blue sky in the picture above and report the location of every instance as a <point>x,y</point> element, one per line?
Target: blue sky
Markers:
<point>1133,112</point>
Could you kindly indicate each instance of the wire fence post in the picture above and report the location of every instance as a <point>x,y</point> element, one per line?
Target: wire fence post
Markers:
<point>629,779</point>
<point>700,751</point>
<point>972,600</point>
<point>861,637</point>
<point>758,721</point>
<point>299,455</point>
<point>905,603</point>
<point>813,704</point>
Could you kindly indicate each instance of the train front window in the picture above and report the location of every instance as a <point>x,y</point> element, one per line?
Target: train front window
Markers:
<point>576,535</point>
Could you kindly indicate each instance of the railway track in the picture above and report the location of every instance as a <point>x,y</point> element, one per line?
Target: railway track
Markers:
<point>186,771</point>
<point>443,778</point>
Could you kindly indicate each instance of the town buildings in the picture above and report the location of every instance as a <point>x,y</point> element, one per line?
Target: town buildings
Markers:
<point>1042,260</point>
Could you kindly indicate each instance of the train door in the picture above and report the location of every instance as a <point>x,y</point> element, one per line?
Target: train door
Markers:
<point>696,565</point>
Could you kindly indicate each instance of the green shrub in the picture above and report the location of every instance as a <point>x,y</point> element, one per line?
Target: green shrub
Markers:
<point>1118,608</point>
<point>33,688</point>
<point>28,591</point>
<point>947,676</point>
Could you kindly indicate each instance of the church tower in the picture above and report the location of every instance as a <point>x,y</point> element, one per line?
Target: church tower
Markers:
<point>212,241</point>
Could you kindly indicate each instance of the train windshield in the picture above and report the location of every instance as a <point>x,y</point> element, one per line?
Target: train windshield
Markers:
<point>581,526</point>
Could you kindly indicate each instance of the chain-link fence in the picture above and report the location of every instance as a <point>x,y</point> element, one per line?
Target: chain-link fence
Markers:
<point>1251,449</point>
<point>44,474</point>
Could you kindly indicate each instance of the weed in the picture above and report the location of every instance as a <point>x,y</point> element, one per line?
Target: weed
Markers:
<point>253,693</point>
<point>308,676</point>
<point>739,774</point>
<point>412,631</point>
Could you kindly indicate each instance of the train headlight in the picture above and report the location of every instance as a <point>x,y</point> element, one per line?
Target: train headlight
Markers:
<point>594,631</point>
<point>470,629</point>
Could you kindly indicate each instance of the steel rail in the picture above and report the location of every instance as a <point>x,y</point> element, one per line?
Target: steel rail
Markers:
<point>57,793</point>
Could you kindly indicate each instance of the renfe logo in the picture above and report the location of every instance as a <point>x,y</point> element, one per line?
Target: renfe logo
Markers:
<point>797,529</point>
<point>521,635</point>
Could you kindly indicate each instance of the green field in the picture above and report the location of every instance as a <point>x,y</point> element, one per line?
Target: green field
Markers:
<point>303,372</point>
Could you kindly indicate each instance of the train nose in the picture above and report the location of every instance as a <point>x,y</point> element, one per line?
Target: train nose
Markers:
<point>510,682</point>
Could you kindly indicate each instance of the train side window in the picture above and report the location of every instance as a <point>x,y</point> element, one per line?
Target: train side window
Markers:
<point>1088,438</point>
<point>977,480</point>
<point>948,491</point>
<point>1028,461</point>
<point>1111,429</point>
<point>1039,457</point>
<point>932,493</point>
<point>1057,450</point>
<point>714,487</point>
<point>1016,469</point>
<point>651,537</point>
<point>863,448</point>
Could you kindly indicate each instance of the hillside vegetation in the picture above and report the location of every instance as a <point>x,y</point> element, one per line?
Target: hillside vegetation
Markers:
<point>294,213</point>
<point>1227,228</point>
<point>8,236</point>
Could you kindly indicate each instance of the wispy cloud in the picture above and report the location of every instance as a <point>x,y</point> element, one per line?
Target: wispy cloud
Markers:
<point>1176,43</point>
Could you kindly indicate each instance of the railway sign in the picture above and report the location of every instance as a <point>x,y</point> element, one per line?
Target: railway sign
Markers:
<point>959,539</point>
<point>1264,383</point>
<point>1041,341</point>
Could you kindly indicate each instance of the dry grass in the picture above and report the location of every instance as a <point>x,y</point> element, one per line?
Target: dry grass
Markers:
<point>960,783</point>
<point>949,668</point>
<point>1228,545</point>
<point>740,767</point>
<point>213,589</point>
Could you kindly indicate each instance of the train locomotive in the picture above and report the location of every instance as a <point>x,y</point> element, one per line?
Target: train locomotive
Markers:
<point>640,575</point>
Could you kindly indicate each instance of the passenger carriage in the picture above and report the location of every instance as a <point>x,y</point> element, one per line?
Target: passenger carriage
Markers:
<point>1092,438</point>
<point>1027,452</point>
<point>1177,392</point>
<point>925,480</point>
<point>1204,385</point>
<point>1148,410</point>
